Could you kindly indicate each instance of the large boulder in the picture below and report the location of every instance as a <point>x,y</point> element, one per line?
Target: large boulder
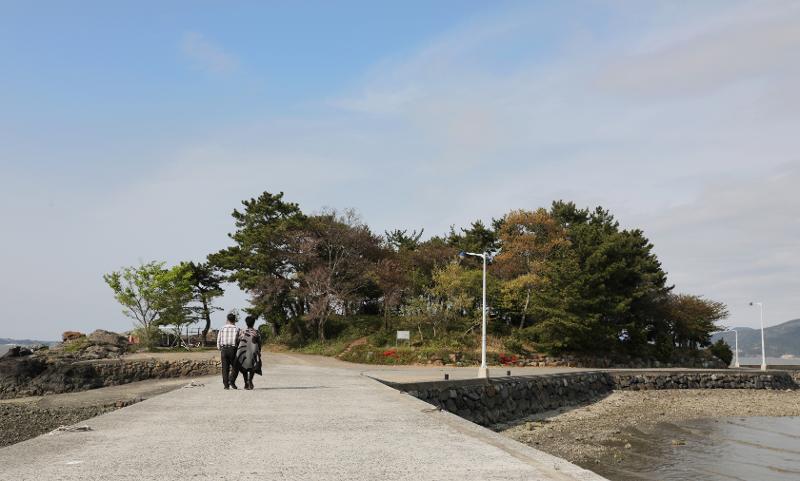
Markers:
<point>71,335</point>
<point>101,337</point>
<point>17,351</point>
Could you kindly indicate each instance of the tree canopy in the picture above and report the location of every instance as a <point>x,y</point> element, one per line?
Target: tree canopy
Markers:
<point>563,279</point>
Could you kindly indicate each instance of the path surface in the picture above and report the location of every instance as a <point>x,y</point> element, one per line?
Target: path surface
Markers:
<point>308,419</point>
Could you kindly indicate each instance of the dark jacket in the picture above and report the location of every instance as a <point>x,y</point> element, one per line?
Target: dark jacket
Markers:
<point>248,355</point>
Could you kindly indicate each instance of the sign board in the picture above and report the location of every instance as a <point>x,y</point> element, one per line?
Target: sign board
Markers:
<point>404,335</point>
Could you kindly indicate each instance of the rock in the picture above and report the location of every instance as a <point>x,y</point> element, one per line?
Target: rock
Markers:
<point>17,351</point>
<point>94,352</point>
<point>678,442</point>
<point>107,337</point>
<point>71,335</point>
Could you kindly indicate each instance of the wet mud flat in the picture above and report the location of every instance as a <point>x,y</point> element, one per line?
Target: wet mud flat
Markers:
<point>674,434</point>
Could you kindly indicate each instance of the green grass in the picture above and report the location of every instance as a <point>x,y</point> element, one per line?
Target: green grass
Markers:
<point>77,344</point>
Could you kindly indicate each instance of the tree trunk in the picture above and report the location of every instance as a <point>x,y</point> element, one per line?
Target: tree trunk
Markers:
<point>207,317</point>
<point>525,309</point>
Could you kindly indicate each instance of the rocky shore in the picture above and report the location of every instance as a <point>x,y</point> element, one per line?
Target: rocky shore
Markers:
<point>599,432</point>
<point>25,418</point>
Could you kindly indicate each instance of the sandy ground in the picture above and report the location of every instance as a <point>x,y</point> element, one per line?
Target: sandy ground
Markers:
<point>596,433</point>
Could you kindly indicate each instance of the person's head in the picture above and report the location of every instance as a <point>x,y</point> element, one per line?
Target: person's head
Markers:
<point>231,318</point>
<point>250,321</point>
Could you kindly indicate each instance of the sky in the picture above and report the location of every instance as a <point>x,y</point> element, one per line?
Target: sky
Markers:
<point>129,131</point>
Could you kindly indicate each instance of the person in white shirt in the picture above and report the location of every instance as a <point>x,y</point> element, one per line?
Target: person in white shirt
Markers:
<point>227,341</point>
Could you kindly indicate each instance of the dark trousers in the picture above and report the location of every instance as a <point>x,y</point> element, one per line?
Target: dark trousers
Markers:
<point>248,376</point>
<point>229,369</point>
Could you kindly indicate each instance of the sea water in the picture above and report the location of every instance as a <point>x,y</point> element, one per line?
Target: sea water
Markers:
<point>740,448</point>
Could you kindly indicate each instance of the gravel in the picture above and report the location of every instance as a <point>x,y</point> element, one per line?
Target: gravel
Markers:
<point>597,432</point>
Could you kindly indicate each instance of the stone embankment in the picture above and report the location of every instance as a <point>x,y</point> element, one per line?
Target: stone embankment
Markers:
<point>84,362</point>
<point>35,376</point>
<point>499,400</point>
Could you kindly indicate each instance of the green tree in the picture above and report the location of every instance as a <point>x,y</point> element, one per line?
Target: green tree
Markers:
<point>206,286</point>
<point>393,281</point>
<point>260,261</point>
<point>693,319</point>
<point>603,289</point>
<point>152,295</point>
<point>527,239</point>
<point>399,240</point>
<point>722,351</point>
<point>476,238</point>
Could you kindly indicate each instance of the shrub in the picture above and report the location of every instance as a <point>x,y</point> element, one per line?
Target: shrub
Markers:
<point>514,345</point>
<point>722,351</point>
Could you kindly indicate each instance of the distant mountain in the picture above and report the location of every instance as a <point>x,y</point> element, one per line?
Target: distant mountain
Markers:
<point>780,340</point>
<point>25,342</point>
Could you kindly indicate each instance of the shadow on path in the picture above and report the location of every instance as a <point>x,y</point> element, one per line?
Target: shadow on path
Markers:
<point>289,387</point>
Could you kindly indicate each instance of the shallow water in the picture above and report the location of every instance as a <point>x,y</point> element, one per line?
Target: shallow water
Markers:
<point>754,448</point>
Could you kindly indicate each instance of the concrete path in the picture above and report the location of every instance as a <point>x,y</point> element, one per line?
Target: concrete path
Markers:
<point>307,420</point>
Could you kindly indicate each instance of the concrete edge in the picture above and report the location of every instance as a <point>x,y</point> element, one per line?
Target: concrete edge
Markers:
<point>417,385</point>
<point>557,468</point>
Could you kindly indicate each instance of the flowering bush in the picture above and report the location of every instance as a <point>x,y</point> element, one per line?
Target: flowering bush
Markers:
<point>507,360</point>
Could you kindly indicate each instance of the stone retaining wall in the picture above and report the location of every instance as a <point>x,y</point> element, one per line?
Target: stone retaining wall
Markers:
<point>34,377</point>
<point>497,400</point>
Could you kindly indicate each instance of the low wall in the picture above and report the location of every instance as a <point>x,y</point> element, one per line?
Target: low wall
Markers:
<point>498,400</point>
<point>32,377</point>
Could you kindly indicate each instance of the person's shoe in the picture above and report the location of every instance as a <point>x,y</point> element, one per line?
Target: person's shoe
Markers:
<point>227,388</point>
<point>233,386</point>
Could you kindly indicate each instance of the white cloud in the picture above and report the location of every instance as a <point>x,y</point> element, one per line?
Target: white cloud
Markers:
<point>755,45</point>
<point>461,130</point>
<point>206,54</point>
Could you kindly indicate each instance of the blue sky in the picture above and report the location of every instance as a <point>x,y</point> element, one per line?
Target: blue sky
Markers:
<point>130,130</point>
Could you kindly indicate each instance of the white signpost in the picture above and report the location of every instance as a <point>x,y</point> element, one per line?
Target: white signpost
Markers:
<point>403,336</point>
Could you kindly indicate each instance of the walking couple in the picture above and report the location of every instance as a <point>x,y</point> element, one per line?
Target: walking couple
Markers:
<point>240,350</point>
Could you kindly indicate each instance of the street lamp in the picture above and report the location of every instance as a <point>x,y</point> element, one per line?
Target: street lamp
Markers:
<point>483,371</point>
<point>736,345</point>
<point>763,355</point>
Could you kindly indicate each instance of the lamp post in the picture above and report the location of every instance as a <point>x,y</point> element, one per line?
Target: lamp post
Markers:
<point>763,355</point>
<point>483,371</point>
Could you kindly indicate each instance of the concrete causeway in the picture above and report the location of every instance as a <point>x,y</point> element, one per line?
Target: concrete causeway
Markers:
<point>306,420</point>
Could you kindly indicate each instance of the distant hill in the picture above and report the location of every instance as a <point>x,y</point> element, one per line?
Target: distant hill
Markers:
<point>780,340</point>
<point>25,342</point>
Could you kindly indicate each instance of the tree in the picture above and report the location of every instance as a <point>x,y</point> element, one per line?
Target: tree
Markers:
<point>393,281</point>
<point>722,351</point>
<point>399,240</point>
<point>334,256</point>
<point>460,290</point>
<point>693,319</point>
<point>476,238</point>
<point>527,239</point>
<point>152,295</point>
<point>603,289</point>
<point>260,262</point>
<point>206,286</point>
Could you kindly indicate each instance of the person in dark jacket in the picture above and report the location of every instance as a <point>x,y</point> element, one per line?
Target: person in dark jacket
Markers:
<point>248,355</point>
